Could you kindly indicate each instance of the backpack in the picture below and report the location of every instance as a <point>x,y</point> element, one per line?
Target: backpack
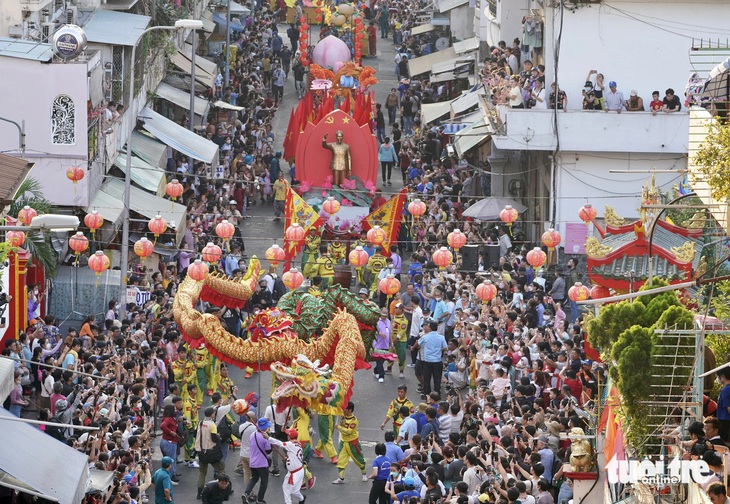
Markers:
<point>279,289</point>
<point>224,429</point>
<point>55,431</point>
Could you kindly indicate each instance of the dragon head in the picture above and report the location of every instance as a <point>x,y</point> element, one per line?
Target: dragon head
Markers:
<point>268,323</point>
<point>303,384</point>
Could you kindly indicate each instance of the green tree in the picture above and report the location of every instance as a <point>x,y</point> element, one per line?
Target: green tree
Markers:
<point>713,160</point>
<point>613,319</point>
<point>36,243</point>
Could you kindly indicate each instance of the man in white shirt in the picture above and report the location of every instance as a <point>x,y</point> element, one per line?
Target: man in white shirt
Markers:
<point>416,323</point>
<point>295,467</point>
<point>614,99</point>
<point>279,420</point>
<point>247,427</point>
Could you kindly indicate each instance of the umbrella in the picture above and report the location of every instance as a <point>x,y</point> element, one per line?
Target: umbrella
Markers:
<point>489,208</point>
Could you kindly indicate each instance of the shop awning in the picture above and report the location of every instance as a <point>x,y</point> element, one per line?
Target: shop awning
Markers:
<point>7,378</point>
<point>239,10</point>
<point>111,209</point>
<point>424,28</point>
<point>29,462</point>
<point>182,140</point>
<point>448,76</point>
<point>233,24</point>
<point>467,45</point>
<point>149,149</point>
<point>432,111</point>
<point>13,171</point>
<point>208,23</point>
<point>149,205</point>
<point>466,101</point>
<point>201,62</point>
<point>417,66</point>
<point>472,136</point>
<point>447,5</point>
<point>148,177</point>
<point>228,106</point>
<point>181,98</point>
<point>183,63</point>
<point>100,480</point>
<point>459,62</point>
<point>115,28</point>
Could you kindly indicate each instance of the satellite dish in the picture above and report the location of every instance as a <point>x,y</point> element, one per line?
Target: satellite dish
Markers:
<point>442,43</point>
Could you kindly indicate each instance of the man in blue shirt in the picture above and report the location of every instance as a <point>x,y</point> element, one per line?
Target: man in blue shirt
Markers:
<point>392,451</point>
<point>163,482</point>
<point>434,346</point>
<point>440,311</point>
<point>232,258</point>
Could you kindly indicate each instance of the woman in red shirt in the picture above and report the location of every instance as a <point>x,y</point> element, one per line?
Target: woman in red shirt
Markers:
<point>168,445</point>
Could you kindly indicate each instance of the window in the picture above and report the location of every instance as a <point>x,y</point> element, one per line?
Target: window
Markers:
<point>63,121</point>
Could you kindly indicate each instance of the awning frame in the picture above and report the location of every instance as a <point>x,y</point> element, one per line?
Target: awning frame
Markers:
<point>179,138</point>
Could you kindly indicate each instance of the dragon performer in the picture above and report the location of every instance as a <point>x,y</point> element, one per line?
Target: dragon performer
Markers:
<point>316,373</point>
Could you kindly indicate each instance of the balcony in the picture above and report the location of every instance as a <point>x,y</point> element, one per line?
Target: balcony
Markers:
<point>593,131</point>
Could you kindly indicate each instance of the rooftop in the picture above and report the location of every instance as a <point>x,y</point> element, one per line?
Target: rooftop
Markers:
<point>25,49</point>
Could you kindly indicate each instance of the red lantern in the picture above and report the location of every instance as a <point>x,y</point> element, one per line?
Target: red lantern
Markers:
<point>225,230</point>
<point>486,291</point>
<point>456,239</point>
<point>536,257</point>
<point>599,292</point>
<point>390,285</point>
<point>157,225</point>
<point>442,257</point>
<point>75,173</point>
<point>93,221</point>
<point>302,20</point>
<point>416,208</point>
<point>275,254</point>
<point>15,238</point>
<point>98,264</point>
<point>551,239</point>
<point>198,270</point>
<point>292,279</point>
<point>587,213</point>
<point>318,18</point>
<point>376,236</point>
<point>305,27</point>
<point>78,243</point>
<point>508,215</point>
<point>26,215</point>
<point>174,189</point>
<point>212,253</point>
<point>318,10</point>
<point>358,257</point>
<point>578,292</point>
<point>143,247</point>
<point>294,233</point>
<point>331,206</point>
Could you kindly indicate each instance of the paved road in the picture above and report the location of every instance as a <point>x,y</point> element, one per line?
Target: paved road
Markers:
<point>371,398</point>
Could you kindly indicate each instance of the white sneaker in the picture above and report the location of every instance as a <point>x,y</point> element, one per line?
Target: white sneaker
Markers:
<point>338,481</point>
<point>401,376</point>
<point>380,380</point>
<point>193,465</point>
<point>364,477</point>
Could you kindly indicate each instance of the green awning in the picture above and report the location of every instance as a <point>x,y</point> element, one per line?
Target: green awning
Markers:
<point>148,177</point>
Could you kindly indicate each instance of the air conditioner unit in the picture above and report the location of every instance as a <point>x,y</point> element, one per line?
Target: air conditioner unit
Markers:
<point>47,30</point>
<point>15,31</point>
<point>72,15</point>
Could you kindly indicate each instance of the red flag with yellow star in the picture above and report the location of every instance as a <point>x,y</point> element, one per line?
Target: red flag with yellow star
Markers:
<point>390,218</point>
<point>297,210</point>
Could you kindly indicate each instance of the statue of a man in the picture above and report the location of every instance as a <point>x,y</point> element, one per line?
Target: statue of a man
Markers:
<point>341,164</point>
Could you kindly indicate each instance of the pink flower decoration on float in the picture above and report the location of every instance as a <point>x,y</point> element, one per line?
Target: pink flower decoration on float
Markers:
<point>305,187</point>
<point>345,202</point>
<point>348,184</point>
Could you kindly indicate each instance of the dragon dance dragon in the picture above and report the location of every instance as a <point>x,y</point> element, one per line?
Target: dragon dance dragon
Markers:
<point>309,369</point>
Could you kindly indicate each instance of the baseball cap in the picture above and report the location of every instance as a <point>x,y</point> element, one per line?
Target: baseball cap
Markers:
<point>208,411</point>
<point>263,424</point>
<point>612,83</point>
<point>587,362</point>
<point>409,482</point>
<point>543,439</point>
<point>634,92</point>
<point>484,498</point>
<point>292,433</point>
<point>167,461</point>
<point>364,291</point>
<point>232,202</point>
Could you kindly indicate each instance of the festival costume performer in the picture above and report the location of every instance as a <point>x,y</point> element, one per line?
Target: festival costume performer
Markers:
<point>349,444</point>
<point>225,386</point>
<point>191,419</point>
<point>294,465</point>
<point>183,372</point>
<point>393,412</point>
<point>362,242</point>
<point>326,427</point>
<point>201,361</point>
<point>400,337</point>
<point>341,164</point>
<point>325,267</point>
<point>309,256</point>
<point>338,251</point>
<point>376,263</point>
<point>301,425</point>
<point>315,287</point>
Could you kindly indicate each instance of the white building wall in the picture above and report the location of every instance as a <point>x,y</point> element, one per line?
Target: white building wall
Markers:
<point>27,91</point>
<point>641,45</point>
<point>506,25</point>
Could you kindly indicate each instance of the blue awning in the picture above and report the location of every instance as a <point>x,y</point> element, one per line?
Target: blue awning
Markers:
<point>220,20</point>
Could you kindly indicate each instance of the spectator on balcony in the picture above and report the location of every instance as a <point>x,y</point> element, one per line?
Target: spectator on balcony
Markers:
<point>590,102</point>
<point>656,104</point>
<point>525,73</point>
<point>712,431</point>
<point>717,494</point>
<point>558,98</point>
<point>538,99</point>
<point>615,101</point>
<point>671,102</point>
<point>635,103</point>
<point>512,61</point>
<point>598,88</point>
<point>515,94</point>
